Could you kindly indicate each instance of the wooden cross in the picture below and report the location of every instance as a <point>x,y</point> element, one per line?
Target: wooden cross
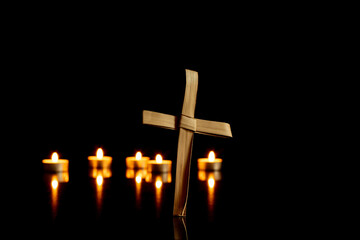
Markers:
<point>187,125</point>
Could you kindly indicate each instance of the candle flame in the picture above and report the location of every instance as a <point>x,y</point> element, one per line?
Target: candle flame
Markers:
<point>211,182</point>
<point>54,184</point>
<point>158,183</point>
<point>138,179</point>
<point>54,157</point>
<point>158,158</point>
<point>212,156</point>
<point>138,156</point>
<point>99,153</point>
<point>99,180</point>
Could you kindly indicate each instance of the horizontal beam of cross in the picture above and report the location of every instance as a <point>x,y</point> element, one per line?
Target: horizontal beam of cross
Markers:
<point>200,126</point>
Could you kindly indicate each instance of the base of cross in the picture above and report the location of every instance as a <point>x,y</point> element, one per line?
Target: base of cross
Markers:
<point>187,126</point>
<point>180,231</point>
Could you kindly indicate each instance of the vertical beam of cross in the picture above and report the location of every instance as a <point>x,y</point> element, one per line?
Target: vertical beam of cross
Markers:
<point>185,143</point>
<point>187,125</point>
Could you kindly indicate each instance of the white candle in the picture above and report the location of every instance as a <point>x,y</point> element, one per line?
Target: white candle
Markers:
<point>137,162</point>
<point>210,164</point>
<point>55,164</point>
<point>100,161</point>
<point>159,165</point>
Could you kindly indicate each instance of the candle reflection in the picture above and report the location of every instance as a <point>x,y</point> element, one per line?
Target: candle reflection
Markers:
<point>54,196</point>
<point>158,187</point>
<point>211,190</point>
<point>54,180</point>
<point>210,177</point>
<point>159,179</point>
<point>99,175</point>
<point>104,172</point>
<point>165,177</point>
<point>138,175</point>
<point>99,192</point>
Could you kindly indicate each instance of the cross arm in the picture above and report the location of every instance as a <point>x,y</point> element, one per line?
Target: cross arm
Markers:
<point>159,119</point>
<point>214,128</point>
<point>200,126</point>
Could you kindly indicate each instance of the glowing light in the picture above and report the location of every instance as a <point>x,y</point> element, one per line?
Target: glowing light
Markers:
<point>158,158</point>
<point>138,156</point>
<point>54,157</point>
<point>212,156</point>
<point>138,179</point>
<point>99,153</point>
<point>158,184</point>
<point>54,184</point>
<point>99,180</point>
<point>54,194</point>
<point>211,182</point>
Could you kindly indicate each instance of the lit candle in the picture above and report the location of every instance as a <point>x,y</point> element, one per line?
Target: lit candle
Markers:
<point>159,165</point>
<point>210,164</point>
<point>137,162</point>
<point>55,164</point>
<point>100,161</point>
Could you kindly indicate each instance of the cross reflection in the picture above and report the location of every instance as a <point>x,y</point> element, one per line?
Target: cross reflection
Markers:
<point>180,231</point>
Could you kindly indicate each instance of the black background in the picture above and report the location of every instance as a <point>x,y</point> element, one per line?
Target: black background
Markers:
<point>75,85</point>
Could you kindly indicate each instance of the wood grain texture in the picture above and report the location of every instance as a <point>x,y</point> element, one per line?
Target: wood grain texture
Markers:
<point>187,123</point>
<point>214,128</point>
<point>187,126</point>
<point>180,231</point>
<point>159,119</point>
<point>185,146</point>
<point>182,171</point>
<point>200,126</point>
<point>190,93</point>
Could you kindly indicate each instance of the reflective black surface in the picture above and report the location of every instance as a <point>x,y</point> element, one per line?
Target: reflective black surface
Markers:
<point>131,202</point>
<point>74,105</point>
<point>242,199</point>
<point>74,84</point>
